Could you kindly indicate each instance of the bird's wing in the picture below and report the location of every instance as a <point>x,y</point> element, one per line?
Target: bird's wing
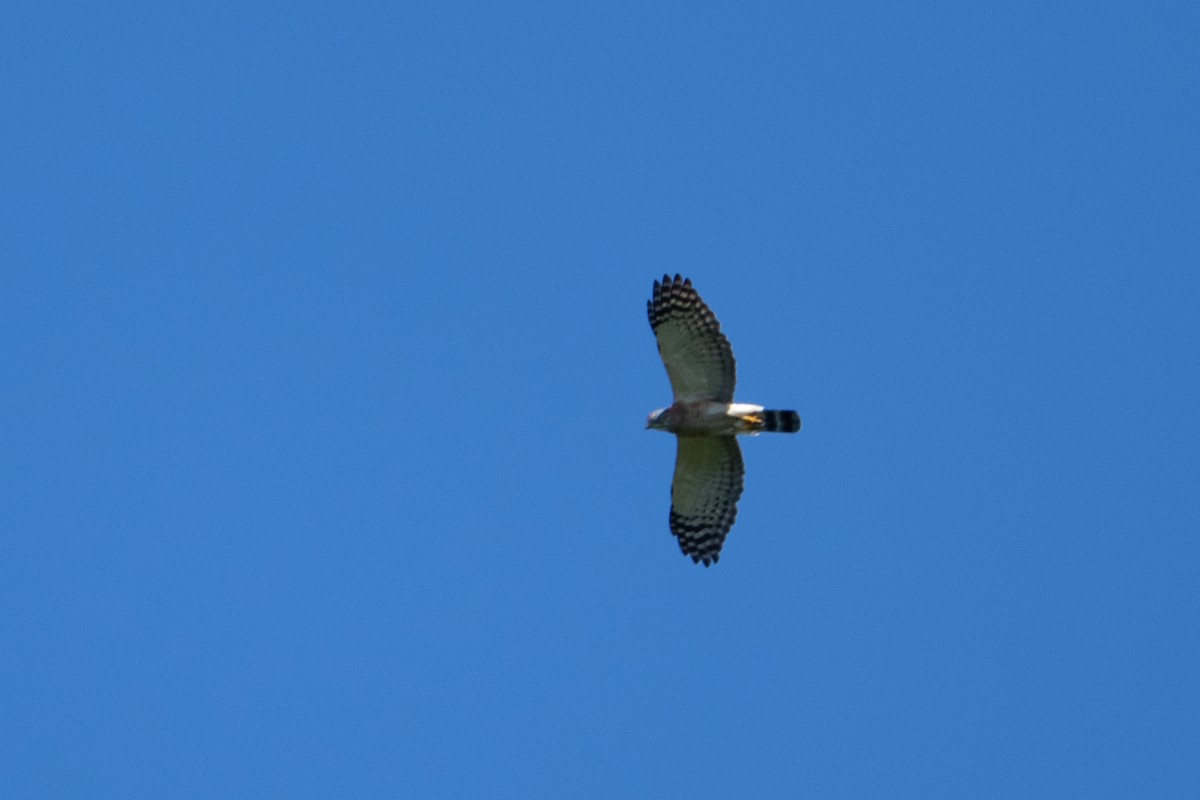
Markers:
<point>697,355</point>
<point>704,494</point>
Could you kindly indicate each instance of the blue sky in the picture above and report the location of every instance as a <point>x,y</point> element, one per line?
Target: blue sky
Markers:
<point>326,369</point>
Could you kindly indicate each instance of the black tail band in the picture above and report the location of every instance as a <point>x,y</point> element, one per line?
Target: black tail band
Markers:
<point>781,421</point>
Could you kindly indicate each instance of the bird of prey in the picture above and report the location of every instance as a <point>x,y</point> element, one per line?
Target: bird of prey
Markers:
<point>704,418</point>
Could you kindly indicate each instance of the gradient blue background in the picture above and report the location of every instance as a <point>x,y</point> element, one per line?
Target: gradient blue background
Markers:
<point>326,367</point>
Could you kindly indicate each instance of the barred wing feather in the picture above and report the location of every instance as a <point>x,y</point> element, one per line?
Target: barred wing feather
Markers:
<point>704,494</point>
<point>697,355</point>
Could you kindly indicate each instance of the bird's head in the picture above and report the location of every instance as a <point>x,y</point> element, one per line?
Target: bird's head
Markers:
<point>655,420</point>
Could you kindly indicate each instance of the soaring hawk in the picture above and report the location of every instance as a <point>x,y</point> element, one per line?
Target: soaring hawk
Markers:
<point>704,418</point>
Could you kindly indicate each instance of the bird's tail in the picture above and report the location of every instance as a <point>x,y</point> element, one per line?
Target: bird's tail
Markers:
<point>780,421</point>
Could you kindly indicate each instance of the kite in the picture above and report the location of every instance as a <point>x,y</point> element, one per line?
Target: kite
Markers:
<point>705,420</point>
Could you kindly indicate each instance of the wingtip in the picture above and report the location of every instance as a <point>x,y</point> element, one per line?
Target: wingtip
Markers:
<point>667,282</point>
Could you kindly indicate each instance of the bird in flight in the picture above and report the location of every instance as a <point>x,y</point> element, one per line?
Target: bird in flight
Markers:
<point>704,418</point>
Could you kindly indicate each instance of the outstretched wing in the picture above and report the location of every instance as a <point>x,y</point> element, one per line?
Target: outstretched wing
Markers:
<point>704,494</point>
<point>697,355</point>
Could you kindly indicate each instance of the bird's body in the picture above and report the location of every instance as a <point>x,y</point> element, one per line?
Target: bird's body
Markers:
<point>708,464</point>
<point>709,418</point>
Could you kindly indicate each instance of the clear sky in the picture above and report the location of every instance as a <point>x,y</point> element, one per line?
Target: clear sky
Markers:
<point>326,367</point>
